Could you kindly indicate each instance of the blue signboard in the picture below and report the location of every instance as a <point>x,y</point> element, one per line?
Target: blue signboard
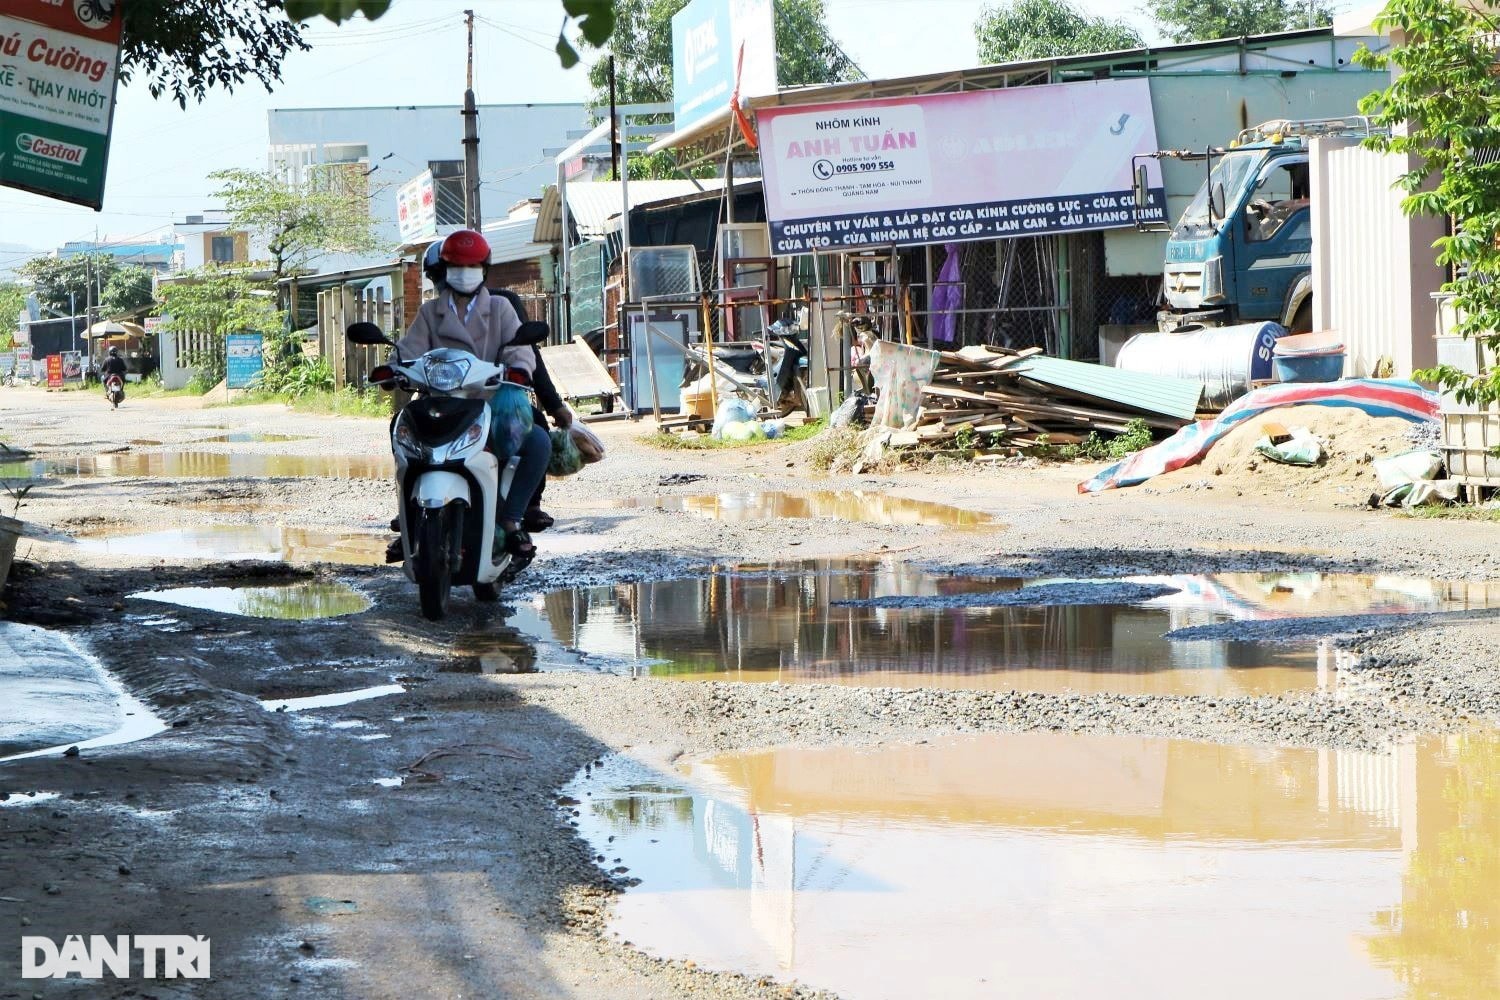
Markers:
<point>242,359</point>
<point>707,37</point>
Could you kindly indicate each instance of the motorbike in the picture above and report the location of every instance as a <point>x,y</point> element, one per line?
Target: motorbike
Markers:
<point>787,386</point>
<point>114,390</point>
<point>450,484</point>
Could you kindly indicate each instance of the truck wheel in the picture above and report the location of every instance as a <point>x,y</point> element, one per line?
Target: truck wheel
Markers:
<point>1302,321</point>
<point>432,568</point>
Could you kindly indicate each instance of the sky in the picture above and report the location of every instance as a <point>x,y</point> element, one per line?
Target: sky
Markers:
<point>161,154</point>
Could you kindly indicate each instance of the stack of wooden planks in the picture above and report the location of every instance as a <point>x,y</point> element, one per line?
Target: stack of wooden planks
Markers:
<point>1000,404</point>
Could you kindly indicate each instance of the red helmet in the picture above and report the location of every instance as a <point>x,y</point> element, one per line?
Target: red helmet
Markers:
<point>466,248</point>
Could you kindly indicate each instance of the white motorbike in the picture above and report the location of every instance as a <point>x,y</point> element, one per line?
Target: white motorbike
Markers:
<point>450,485</point>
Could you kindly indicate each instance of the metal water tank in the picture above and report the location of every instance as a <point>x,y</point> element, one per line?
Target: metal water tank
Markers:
<point>1226,359</point>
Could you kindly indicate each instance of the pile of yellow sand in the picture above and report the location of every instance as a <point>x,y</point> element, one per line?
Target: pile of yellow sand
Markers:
<point>1352,440</point>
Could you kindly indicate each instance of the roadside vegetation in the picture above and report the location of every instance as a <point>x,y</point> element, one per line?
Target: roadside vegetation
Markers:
<point>703,442</point>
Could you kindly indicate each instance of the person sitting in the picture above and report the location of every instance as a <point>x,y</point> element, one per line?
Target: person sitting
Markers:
<point>467,317</point>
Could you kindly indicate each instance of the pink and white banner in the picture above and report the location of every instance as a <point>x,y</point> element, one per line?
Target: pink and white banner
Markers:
<point>943,168</point>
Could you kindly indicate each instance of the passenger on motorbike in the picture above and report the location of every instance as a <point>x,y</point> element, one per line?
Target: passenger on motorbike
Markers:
<point>465,316</point>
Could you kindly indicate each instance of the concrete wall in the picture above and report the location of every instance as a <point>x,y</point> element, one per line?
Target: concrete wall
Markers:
<point>1374,268</point>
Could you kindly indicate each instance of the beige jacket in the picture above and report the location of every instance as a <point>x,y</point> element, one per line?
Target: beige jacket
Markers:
<point>491,326</point>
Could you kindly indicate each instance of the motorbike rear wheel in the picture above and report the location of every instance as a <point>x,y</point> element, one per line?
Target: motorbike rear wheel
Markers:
<point>431,566</point>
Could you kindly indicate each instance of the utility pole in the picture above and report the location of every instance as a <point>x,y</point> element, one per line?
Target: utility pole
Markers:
<point>471,139</point>
<point>614,127</point>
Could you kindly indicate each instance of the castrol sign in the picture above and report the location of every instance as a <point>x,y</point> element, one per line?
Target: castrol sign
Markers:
<point>59,62</point>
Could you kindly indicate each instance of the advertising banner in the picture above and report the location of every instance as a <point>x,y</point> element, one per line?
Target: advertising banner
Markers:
<point>72,366</point>
<point>707,36</point>
<point>7,362</point>
<point>23,361</point>
<point>416,212</point>
<point>243,360</point>
<point>54,371</point>
<point>945,168</point>
<point>58,66</point>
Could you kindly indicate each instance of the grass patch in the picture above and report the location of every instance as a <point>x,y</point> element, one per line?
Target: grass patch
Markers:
<point>1454,512</point>
<point>702,442</point>
<point>344,403</point>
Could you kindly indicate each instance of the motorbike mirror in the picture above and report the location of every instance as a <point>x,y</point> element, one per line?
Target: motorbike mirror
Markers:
<point>532,332</point>
<point>367,333</point>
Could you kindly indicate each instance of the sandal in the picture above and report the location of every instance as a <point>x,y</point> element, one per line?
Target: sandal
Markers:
<point>518,543</point>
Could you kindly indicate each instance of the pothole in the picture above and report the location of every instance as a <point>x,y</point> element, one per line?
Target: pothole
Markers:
<point>54,696</point>
<point>274,542</point>
<point>202,465</point>
<point>251,437</point>
<point>839,505</point>
<point>885,623</point>
<point>296,601</point>
<point>999,860</point>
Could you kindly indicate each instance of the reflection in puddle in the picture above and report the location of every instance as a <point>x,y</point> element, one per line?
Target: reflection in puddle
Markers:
<point>247,541</point>
<point>782,623</point>
<point>986,866</point>
<point>841,505</point>
<point>27,799</point>
<point>54,696</point>
<point>252,437</point>
<point>202,465</point>
<point>297,601</point>
<point>329,700</point>
<point>498,650</point>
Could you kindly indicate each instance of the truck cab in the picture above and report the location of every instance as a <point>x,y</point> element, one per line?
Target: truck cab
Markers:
<point>1242,251</point>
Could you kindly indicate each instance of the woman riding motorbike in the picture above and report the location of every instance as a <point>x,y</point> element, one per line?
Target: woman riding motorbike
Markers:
<point>465,316</point>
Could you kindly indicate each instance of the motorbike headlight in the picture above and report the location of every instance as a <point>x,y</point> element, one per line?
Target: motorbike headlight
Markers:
<point>407,441</point>
<point>445,376</point>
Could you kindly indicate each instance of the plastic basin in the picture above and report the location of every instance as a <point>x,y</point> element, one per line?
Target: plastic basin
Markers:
<point>1308,367</point>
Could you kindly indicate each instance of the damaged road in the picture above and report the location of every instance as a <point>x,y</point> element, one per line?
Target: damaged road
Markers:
<point>418,842</point>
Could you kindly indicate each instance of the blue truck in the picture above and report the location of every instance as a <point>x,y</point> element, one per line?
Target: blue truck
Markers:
<point>1242,251</point>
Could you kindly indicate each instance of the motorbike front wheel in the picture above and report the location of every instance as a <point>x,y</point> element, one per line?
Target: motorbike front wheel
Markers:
<point>431,566</point>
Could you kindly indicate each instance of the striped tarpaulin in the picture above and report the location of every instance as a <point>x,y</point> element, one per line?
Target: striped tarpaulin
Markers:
<point>1377,397</point>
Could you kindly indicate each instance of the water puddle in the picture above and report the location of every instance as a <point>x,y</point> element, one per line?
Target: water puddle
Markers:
<point>201,465</point>
<point>1030,865</point>
<point>330,700</point>
<point>838,505</point>
<point>822,622</point>
<point>54,696</point>
<point>292,602</point>
<point>500,650</point>
<point>251,437</point>
<point>275,542</point>
<point>26,799</point>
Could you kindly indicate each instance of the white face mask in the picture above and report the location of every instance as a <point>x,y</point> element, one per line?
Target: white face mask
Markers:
<point>465,280</point>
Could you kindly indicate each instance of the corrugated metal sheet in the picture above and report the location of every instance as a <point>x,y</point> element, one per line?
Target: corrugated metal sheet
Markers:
<point>511,241</point>
<point>1373,266</point>
<point>1160,395</point>
<point>592,204</point>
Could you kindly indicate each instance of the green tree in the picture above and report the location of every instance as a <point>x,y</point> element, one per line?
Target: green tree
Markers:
<point>1037,29</point>
<point>1444,102</point>
<point>806,53</point>
<point>64,283</point>
<point>1199,20</point>
<point>329,211</point>
<point>217,302</point>
<point>126,289</point>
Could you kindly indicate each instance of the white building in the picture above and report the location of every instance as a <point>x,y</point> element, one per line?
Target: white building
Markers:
<point>394,144</point>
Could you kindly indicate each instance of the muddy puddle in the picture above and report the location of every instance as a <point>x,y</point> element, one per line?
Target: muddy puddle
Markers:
<point>826,622</point>
<point>334,700</point>
<point>251,437</point>
<point>1031,865</point>
<point>53,695</point>
<point>837,505</point>
<point>201,465</point>
<point>294,602</point>
<point>273,542</point>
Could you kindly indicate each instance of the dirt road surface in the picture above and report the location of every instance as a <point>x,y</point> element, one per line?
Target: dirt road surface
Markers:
<point>268,832</point>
